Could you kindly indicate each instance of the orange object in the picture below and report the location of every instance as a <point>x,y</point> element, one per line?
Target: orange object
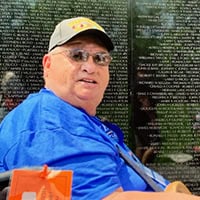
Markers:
<point>39,185</point>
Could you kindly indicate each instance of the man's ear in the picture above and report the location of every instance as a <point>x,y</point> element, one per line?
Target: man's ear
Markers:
<point>46,61</point>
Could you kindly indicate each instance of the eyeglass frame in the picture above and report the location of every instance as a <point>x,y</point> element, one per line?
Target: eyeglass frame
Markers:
<point>71,51</point>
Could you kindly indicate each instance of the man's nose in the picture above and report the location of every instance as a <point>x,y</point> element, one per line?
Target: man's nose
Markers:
<point>89,66</point>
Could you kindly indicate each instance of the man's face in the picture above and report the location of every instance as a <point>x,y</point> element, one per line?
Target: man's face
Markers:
<point>81,84</point>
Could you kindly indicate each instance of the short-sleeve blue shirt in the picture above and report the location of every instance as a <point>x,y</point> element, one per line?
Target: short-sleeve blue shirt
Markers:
<point>44,129</point>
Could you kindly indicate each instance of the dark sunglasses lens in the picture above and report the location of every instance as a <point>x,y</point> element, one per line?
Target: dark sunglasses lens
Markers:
<point>79,55</point>
<point>102,59</point>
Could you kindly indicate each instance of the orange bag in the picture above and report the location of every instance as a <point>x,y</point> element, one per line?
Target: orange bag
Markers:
<point>40,185</point>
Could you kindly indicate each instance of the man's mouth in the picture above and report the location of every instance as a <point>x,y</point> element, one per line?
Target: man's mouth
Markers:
<point>88,80</point>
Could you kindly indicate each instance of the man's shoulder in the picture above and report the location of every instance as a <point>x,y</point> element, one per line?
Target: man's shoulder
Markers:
<point>27,109</point>
<point>34,100</point>
<point>38,110</point>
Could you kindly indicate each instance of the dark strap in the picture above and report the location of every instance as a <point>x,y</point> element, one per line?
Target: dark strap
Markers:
<point>4,179</point>
<point>141,172</point>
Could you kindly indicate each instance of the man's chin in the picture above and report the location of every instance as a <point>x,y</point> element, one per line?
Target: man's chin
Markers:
<point>87,96</point>
<point>90,98</point>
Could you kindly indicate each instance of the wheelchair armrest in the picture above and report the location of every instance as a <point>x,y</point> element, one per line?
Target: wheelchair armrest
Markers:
<point>4,179</point>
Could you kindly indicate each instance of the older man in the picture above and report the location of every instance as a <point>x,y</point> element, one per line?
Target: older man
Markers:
<point>57,126</point>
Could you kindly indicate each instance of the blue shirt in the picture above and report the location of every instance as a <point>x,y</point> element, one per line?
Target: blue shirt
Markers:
<point>44,129</point>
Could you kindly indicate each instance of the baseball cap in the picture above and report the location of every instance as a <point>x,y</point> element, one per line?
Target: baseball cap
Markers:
<point>69,28</point>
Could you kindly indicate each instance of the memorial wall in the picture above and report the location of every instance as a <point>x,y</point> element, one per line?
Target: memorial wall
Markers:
<point>25,29</point>
<point>154,88</point>
<point>164,81</point>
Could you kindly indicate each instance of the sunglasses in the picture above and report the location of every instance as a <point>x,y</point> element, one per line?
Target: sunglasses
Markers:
<point>81,56</point>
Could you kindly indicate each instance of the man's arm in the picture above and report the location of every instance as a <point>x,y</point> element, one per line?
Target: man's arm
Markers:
<point>131,195</point>
<point>174,191</point>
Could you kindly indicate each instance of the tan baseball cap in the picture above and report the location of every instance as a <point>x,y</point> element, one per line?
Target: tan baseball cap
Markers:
<point>69,28</point>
